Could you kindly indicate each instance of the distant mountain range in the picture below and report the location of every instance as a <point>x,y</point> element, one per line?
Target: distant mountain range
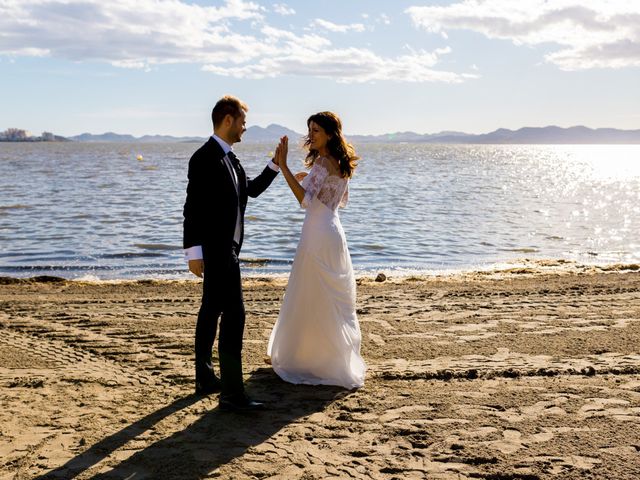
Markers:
<point>111,137</point>
<point>254,134</point>
<point>527,135</point>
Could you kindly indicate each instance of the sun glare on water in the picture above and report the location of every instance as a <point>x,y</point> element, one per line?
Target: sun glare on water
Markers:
<point>608,162</point>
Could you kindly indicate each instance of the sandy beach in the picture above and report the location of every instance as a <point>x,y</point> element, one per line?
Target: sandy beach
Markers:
<point>528,373</point>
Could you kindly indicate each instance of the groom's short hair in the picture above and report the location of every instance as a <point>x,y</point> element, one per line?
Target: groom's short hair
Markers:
<point>227,105</point>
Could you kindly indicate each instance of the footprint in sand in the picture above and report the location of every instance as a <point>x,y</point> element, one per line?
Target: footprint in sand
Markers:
<point>513,440</point>
<point>396,413</point>
<point>609,407</point>
<point>560,465</point>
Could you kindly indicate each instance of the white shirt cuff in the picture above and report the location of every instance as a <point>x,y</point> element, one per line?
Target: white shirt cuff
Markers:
<point>193,253</point>
<point>273,166</point>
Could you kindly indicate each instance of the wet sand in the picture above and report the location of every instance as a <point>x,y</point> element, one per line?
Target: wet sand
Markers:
<point>531,373</point>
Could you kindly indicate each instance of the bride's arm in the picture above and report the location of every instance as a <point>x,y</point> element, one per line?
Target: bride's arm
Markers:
<point>281,157</point>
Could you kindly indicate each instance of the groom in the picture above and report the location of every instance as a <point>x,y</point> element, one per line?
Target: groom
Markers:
<point>213,232</point>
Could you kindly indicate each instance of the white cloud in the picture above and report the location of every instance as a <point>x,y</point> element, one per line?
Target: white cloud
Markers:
<point>589,33</point>
<point>283,9</point>
<point>233,39</point>
<point>349,65</point>
<point>126,32</point>
<point>274,38</point>
<point>384,19</point>
<point>334,27</point>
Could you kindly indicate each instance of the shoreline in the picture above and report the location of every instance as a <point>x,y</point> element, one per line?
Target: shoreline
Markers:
<point>519,374</point>
<point>495,270</point>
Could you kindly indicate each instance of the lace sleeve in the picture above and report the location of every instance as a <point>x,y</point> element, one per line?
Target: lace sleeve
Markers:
<point>345,197</point>
<point>314,182</point>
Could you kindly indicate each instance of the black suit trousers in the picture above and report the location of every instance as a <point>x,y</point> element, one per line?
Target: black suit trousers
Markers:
<point>222,303</point>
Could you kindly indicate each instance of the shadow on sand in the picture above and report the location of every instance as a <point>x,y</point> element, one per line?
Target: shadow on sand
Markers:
<point>213,440</point>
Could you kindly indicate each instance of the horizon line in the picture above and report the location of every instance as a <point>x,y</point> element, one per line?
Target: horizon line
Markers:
<point>443,132</point>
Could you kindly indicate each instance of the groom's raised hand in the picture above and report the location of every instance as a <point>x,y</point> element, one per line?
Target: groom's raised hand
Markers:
<point>196,267</point>
<point>276,156</point>
<point>280,158</point>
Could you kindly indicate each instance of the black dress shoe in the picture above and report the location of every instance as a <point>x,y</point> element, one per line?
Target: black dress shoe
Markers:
<point>239,403</point>
<point>207,387</point>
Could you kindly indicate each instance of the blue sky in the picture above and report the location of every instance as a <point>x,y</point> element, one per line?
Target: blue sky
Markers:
<point>158,66</point>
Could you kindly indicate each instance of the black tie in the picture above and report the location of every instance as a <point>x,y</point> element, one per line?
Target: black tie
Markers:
<point>234,160</point>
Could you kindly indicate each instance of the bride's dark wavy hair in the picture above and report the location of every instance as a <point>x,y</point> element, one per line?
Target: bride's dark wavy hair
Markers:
<point>338,147</point>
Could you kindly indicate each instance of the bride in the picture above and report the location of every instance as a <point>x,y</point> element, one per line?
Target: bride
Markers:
<point>316,339</point>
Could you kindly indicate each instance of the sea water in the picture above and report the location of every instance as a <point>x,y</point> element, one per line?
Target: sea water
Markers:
<point>114,211</point>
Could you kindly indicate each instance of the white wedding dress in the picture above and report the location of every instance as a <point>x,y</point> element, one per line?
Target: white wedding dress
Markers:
<point>316,339</point>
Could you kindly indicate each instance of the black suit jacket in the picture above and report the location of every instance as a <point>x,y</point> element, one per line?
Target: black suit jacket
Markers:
<point>212,202</point>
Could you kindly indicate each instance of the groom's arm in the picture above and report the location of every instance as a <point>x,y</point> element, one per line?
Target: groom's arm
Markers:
<point>193,226</point>
<point>260,183</point>
<point>193,231</point>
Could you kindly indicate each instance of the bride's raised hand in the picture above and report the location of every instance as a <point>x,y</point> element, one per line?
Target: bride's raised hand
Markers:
<point>282,151</point>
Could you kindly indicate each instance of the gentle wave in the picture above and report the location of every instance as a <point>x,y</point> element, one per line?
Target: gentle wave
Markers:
<point>157,246</point>
<point>264,261</point>
<point>516,268</point>
<point>130,255</point>
<point>15,207</point>
<point>56,268</point>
